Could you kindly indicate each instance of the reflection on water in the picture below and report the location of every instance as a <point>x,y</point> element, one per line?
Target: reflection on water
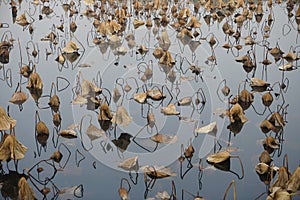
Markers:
<point>153,100</point>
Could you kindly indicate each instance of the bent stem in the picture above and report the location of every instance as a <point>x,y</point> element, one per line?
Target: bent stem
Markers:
<point>241,166</point>
<point>234,190</point>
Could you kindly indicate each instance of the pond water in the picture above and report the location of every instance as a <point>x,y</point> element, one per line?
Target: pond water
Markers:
<point>112,50</point>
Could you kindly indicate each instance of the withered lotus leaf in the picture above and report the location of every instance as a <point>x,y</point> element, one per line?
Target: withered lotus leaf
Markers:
<point>245,96</point>
<point>123,193</point>
<point>225,90</point>
<point>104,113</point>
<point>22,20</point>
<point>137,23</point>
<point>267,99</point>
<point>158,52</point>
<point>166,59</point>
<point>170,110</point>
<point>282,178</point>
<point>164,40</point>
<point>255,82</point>
<point>25,190</point>
<point>89,89</point>
<point>18,98</point>
<point>11,148</point>
<point>54,103</point>
<point>290,57</point>
<point>6,122</point>
<point>189,152</point>
<point>186,101</point>
<point>271,142</point>
<point>236,113</point>
<point>262,168</point>
<point>121,117</point>
<point>157,171</point>
<point>155,94</point>
<point>56,118</point>
<point>265,157</point>
<point>71,47</point>
<point>286,67</point>
<point>130,164</point>
<point>277,120</point>
<point>35,81</point>
<point>140,97</point>
<point>194,22</point>
<point>165,139</point>
<point>68,133</point>
<point>266,126</point>
<point>116,95</point>
<point>218,157</point>
<point>56,156</point>
<point>294,183</point>
<point>94,133</point>
<point>210,129</point>
<point>41,128</point>
<point>25,71</point>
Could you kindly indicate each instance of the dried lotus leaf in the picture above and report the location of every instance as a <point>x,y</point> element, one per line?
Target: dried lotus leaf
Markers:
<point>56,119</point>
<point>267,99</point>
<point>129,164</point>
<point>22,20</point>
<point>225,90</point>
<point>286,67</point>
<point>265,157</point>
<point>18,98</point>
<point>157,171</point>
<point>137,23</point>
<point>170,110</point>
<point>210,129</point>
<point>155,94</point>
<point>6,122</point>
<point>294,183</point>
<point>25,190</point>
<point>262,168</point>
<point>165,139</point>
<point>94,133</point>
<point>54,103</point>
<point>123,193</point>
<point>164,41</point>
<point>266,126</point>
<point>56,156</point>
<point>35,82</point>
<point>116,95</point>
<point>68,133</point>
<point>218,157</point>
<point>236,113</point>
<point>255,82</point>
<point>186,101</point>
<point>71,47</point>
<point>104,113</point>
<point>121,117</point>
<point>140,97</point>
<point>271,142</point>
<point>290,57</point>
<point>11,148</point>
<point>41,128</point>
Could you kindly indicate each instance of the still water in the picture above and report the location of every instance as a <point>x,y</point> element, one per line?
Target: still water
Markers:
<point>122,65</point>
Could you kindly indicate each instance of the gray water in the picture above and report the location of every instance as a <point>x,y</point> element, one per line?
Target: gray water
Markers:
<point>98,172</point>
